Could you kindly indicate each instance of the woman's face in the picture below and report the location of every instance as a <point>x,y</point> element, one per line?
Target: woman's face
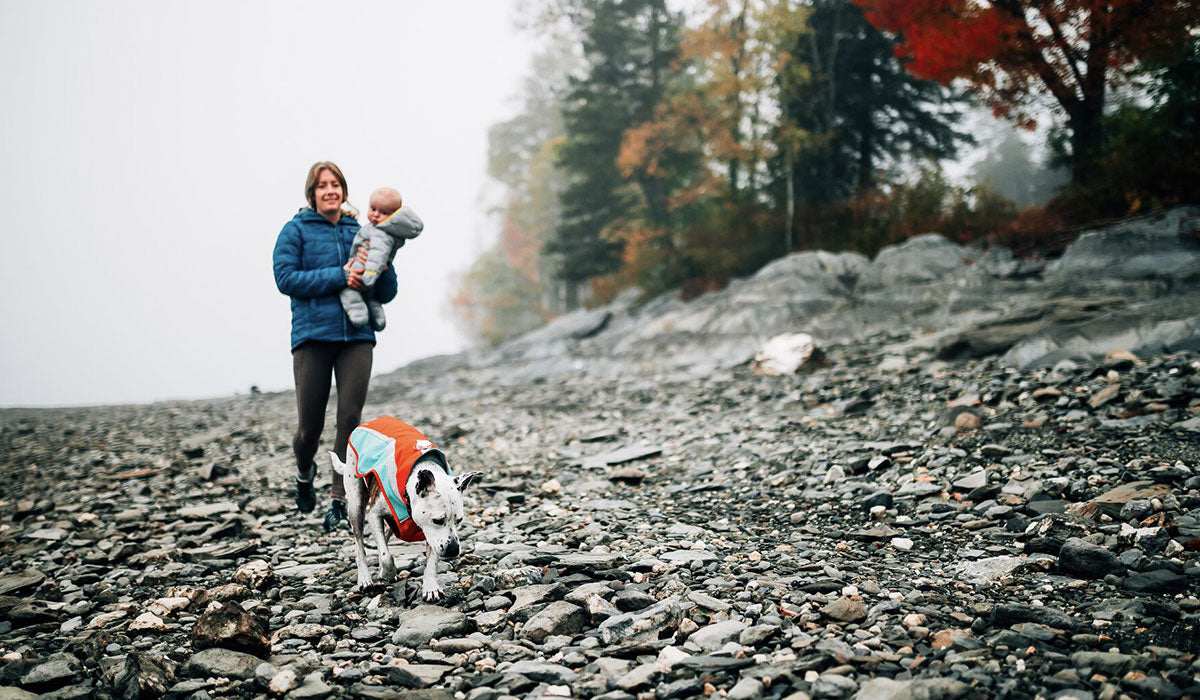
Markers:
<point>328,194</point>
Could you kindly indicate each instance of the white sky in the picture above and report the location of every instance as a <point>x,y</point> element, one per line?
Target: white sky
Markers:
<point>152,150</point>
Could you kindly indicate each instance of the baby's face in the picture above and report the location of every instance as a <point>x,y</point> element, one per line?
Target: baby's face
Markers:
<point>379,208</point>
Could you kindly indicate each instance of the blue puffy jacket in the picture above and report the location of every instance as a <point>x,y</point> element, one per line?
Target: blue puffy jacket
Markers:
<point>309,255</point>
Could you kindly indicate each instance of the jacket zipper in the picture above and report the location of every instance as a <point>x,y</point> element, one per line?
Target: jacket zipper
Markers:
<point>337,238</point>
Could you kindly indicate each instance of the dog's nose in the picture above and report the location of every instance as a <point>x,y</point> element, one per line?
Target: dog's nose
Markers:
<point>451,550</point>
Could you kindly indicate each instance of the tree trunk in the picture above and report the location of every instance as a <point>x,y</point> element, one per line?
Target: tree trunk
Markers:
<point>790,220</point>
<point>866,164</point>
<point>1086,140</point>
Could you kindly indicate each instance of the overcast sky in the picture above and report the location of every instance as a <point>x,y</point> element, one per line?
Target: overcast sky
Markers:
<point>152,151</point>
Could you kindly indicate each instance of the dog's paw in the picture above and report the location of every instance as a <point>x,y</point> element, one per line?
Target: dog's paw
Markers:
<point>364,580</point>
<point>387,571</point>
<point>431,593</point>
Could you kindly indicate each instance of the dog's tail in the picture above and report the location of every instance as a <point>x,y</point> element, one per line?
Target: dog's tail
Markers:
<point>338,465</point>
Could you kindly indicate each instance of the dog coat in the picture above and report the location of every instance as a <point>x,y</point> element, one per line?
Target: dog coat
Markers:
<point>389,448</point>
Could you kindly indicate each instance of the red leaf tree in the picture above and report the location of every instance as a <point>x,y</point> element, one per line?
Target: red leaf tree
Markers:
<point>1009,51</point>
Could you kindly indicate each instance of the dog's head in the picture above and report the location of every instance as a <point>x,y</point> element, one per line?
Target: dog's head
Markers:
<point>435,504</point>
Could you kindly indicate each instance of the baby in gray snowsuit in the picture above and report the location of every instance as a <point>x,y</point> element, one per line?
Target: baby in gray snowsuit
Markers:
<point>390,226</point>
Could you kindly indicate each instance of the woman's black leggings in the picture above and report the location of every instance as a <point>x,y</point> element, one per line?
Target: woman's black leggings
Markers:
<point>314,364</point>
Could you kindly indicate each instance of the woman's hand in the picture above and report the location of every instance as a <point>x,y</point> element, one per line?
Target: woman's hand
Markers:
<point>354,274</point>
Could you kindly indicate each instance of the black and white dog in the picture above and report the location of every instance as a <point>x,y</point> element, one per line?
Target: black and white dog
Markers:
<point>398,483</point>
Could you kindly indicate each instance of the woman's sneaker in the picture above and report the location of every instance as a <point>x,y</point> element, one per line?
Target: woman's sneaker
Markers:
<point>335,517</point>
<point>306,497</point>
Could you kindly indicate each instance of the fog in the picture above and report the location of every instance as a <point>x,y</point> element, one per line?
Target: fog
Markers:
<point>152,152</point>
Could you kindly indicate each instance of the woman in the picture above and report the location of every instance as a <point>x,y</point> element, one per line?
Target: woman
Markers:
<point>312,265</point>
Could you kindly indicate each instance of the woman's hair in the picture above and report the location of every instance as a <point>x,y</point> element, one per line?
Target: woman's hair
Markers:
<point>310,186</point>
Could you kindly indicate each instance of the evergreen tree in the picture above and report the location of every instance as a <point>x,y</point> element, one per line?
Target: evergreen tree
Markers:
<point>860,109</point>
<point>628,47</point>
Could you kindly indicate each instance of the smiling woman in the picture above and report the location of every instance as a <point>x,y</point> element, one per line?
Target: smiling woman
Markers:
<point>312,266</point>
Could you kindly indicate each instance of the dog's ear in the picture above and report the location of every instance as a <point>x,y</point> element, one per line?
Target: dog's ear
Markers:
<point>424,482</point>
<point>338,465</point>
<point>466,480</point>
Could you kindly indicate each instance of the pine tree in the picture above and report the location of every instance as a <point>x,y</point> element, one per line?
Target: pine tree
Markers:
<point>628,48</point>
<point>860,109</point>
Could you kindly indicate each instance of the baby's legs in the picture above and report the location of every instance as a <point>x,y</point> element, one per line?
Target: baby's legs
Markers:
<point>378,317</point>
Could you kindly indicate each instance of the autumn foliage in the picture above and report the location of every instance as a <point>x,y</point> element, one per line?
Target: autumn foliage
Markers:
<point>1011,51</point>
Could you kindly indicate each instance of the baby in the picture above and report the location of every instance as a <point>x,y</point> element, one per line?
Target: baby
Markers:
<point>390,226</point>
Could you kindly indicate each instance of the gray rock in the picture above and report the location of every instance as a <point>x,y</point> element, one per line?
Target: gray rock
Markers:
<point>747,688</point>
<point>143,676</point>
<point>312,687</point>
<point>23,581</point>
<point>544,672</point>
<point>216,662</point>
<point>231,627</point>
<point>1086,560</point>
<point>1157,581</point>
<point>1108,663</point>
<point>829,685</point>
<point>919,689</point>
<point>992,569</point>
<point>52,673</point>
<point>644,625</point>
<point>559,617</point>
<point>713,637</point>
<point>1153,247</point>
<point>415,627</point>
<point>846,609</point>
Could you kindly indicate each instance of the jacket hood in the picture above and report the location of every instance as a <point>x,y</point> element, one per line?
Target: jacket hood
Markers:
<point>402,223</point>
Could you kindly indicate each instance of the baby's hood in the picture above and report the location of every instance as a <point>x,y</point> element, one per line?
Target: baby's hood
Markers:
<point>403,223</point>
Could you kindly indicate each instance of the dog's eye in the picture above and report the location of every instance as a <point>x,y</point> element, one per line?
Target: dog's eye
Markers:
<point>439,521</point>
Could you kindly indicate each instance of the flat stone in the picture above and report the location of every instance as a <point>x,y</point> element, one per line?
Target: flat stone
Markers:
<point>975,480</point>
<point>20,582</point>
<point>416,626</point>
<point>50,674</point>
<point>231,627</point>
<point>829,685</point>
<point>559,617</point>
<point>643,625</point>
<point>216,662</point>
<point>845,609</point>
<point>1157,581</point>
<point>993,569</point>
<point>1110,502</point>
<point>713,637</point>
<point>1108,663</point>
<point>621,456</point>
<point>544,672</point>
<point>919,489</point>
<point>928,688</point>
<point>207,510</point>
<point>1080,558</point>
<point>688,556</point>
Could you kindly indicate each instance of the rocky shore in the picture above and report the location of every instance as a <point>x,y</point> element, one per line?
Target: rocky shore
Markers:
<point>915,514</point>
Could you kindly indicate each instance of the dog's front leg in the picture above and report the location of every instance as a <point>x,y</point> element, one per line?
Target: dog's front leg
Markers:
<point>430,590</point>
<point>387,563</point>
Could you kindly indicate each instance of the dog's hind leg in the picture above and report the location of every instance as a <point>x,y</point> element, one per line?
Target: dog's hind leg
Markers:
<point>387,563</point>
<point>356,505</point>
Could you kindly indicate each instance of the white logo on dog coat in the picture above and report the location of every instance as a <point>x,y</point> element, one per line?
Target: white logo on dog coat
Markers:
<point>423,446</point>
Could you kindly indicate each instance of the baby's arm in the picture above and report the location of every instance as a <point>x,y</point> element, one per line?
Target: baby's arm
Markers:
<point>382,248</point>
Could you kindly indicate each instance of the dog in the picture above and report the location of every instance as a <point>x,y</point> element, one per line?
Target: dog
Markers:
<point>398,483</point>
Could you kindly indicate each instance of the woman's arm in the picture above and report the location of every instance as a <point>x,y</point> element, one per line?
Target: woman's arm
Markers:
<point>297,283</point>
